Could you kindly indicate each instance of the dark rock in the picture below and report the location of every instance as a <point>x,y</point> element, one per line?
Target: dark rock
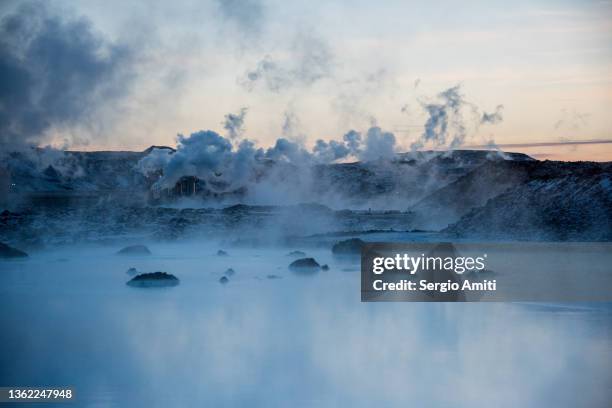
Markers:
<point>325,267</point>
<point>134,250</point>
<point>297,253</point>
<point>305,265</point>
<point>348,247</point>
<point>222,253</point>
<point>230,272</point>
<point>52,173</point>
<point>132,271</point>
<point>274,277</point>
<point>223,280</point>
<point>10,252</point>
<point>153,280</point>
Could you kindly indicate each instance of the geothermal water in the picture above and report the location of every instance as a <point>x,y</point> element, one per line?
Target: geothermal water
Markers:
<point>69,319</point>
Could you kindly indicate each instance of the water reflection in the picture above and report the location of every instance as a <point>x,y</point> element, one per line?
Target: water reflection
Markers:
<point>284,342</point>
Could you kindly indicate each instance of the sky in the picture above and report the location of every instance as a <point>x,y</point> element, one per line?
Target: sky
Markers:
<point>126,75</point>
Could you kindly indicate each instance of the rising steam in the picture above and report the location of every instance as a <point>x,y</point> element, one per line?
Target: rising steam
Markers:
<point>229,163</point>
<point>54,73</point>
<point>234,123</point>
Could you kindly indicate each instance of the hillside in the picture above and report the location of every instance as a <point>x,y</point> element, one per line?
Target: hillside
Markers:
<point>558,201</point>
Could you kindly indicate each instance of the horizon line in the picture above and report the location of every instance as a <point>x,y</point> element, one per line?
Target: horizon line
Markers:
<point>544,144</point>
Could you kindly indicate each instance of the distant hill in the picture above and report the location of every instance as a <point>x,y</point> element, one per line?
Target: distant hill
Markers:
<point>467,193</point>
<point>548,201</point>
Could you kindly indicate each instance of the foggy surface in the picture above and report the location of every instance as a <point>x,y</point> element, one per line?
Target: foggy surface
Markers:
<point>69,319</point>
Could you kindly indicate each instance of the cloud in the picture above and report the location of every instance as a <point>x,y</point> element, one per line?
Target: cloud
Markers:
<point>54,72</point>
<point>308,60</point>
<point>234,123</point>
<point>378,145</point>
<point>449,117</point>
<point>288,151</point>
<point>327,152</point>
<point>201,154</point>
<point>225,165</point>
<point>572,120</point>
<point>291,124</point>
<point>157,159</point>
<point>246,15</point>
<point>444,122</point>
<point>493,117</point>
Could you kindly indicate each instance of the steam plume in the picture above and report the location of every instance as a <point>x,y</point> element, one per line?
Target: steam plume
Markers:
<point>447,124</point>
<point>444,120</point>
<point>54,72</point>
<point>310,60</point>
<point>493,117</point>
<point>234,123</point>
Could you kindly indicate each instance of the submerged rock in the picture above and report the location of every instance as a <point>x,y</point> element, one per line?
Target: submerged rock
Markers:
<point>132,271</point>
<point>230,272</point>
<point>153,280</point>
<point>223,280</point>
<point>348,247</point>
<point>222,253</point>
<point>10,252</point>
<point>325,267</point>
<point>272,276</point>
<point>305,265</point>
<point>297,253</point>
<point>134,250</point>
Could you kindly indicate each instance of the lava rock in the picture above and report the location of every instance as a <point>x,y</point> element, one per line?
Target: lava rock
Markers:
<point>222,253</point>
<point>153,280</point>
<point>348,247</point>
<point>305,265</point>
<point>223,280</point>
<point>134,250</point>
<point>10,252</point>
<point>297,254</point>
<point>230,272</point>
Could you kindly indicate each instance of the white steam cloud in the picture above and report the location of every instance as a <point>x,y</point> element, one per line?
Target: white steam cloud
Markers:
<point>231,163</point>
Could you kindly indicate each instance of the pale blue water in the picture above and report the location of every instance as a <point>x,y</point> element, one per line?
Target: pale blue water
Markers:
<point>69,319</point>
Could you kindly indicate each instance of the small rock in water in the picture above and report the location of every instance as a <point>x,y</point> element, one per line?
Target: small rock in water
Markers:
<point>305,265</point>
<point>153,280</point>
<point>230,272</point>
<point>325,267</point>
<point>297,253</point>
<point>134,250</point>
<point>274,277</point>
<point>132,271</point>
<point>348,247</point>
<point>222,253</point>
<point>10,252</point>
<point>223,280</point>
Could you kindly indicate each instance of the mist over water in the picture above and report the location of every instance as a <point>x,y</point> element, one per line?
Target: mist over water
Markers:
<point>71,320</point>
<point>251,83</point>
